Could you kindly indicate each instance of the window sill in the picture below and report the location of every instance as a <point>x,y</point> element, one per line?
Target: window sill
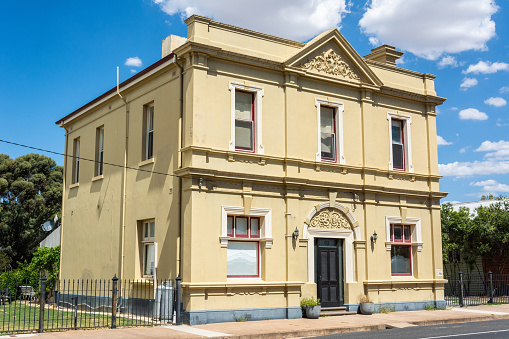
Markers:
<point>388,245</point>
<point>268,241</point>
<point>146,162</point>
<point>77,184</point>
<point>97,178</point>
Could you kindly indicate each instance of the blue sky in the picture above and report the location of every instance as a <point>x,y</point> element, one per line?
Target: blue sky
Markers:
<point>58,55</point>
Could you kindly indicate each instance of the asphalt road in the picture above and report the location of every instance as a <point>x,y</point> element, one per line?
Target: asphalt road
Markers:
<point>496,329</point>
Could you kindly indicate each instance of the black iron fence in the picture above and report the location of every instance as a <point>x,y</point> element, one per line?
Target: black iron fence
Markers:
<point>480,289</point>
<point>43,305</point>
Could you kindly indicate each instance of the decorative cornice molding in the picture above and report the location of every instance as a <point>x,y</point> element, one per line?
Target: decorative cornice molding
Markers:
<point>412,96</point>
<point>331,63</point>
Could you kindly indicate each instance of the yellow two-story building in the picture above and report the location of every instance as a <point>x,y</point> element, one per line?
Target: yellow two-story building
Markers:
<point>260,170</point>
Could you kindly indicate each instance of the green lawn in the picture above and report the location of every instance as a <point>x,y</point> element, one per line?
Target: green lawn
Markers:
<point>23,316</point>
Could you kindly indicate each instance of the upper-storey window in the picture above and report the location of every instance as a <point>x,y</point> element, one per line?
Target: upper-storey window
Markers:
<point>99,152</point>
<point>148,132</point>
<point>398,145</point>
<point>330,131</point>
<point>400,142</point>
<point>244,121</point>
<point>246,118</point>
<point>76,161</point>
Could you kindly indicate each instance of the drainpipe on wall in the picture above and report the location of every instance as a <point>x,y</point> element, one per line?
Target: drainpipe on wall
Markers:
<point>124,184</point>
<point>179,236</point>
<point>63,203</point>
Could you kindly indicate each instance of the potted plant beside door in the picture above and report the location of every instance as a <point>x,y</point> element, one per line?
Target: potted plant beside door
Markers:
<point>366,305</point>
<point>312,307</point>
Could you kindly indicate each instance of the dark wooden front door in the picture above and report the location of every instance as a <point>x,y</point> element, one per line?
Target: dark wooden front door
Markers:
<point>329,271</point>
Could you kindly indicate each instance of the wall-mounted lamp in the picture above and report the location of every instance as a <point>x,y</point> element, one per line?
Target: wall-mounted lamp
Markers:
<point>295,234</point>
<point>374,237</point>
<point>200,183</point>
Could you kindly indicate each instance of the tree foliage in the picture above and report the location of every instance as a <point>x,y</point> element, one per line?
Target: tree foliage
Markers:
<point>469,236</point>
<point>45,261</point>
<point>30,194</point>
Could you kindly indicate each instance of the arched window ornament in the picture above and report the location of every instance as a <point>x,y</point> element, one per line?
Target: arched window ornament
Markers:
<point>330,218</point>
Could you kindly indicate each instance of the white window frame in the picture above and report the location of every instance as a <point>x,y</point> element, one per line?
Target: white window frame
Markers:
<point>76,162</point>
<point>338,111</point>
<point>148,119</point>
<point>258,95</point>
<point>415,227</point>
<point>407,135</point>
<point>148,241</point>
<point>265,224</point>
<point>100,151</point>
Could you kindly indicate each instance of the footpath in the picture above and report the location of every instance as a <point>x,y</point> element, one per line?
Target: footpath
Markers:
<point>296,328</point>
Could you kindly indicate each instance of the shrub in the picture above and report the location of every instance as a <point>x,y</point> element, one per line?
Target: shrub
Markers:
<point>365,299</point>
<point>309,302</point>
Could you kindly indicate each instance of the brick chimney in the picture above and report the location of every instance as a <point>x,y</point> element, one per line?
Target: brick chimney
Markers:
<point>385,54</point>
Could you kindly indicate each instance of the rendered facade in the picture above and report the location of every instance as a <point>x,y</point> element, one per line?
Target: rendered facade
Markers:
<point>260,170</point>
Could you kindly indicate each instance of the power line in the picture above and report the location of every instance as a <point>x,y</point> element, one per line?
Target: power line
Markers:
<point>74,157</point>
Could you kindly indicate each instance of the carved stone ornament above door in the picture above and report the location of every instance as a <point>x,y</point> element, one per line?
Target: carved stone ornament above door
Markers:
<point>330,218</point>
<point>331,63</point>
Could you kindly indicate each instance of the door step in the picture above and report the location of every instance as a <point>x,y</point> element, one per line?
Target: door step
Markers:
<point>335,311</point>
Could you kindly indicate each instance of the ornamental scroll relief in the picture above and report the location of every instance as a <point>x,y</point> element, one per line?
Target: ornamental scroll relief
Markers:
<point>330,218</point>
<point>331,63</point>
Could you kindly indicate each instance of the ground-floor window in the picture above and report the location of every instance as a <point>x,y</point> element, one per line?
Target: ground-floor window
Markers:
<point>242,255</point>
<point>401,249</point>
<point>148,247</point>
<point>243,259</point>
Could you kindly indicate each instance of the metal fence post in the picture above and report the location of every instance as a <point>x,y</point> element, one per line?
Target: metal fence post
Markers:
<point>490,277</point>
<point>177,301</point>
<point>42,299</point>
<point>114,302</point>
<point>461,289</point>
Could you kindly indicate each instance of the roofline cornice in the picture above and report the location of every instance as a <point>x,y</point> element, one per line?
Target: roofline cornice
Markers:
<point>244,31</point>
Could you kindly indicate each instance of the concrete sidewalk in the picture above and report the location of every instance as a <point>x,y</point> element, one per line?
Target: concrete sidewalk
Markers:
<point>292,328</point>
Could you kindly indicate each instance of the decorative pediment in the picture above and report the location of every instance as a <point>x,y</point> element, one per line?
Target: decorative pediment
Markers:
<point>331,63</point>
<point>330,218</point>
<point>330,55</point>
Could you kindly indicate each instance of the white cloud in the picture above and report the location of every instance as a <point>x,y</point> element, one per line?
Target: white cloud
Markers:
<point>374,41</point>
<point>486,67</point>
<point>472,114</point>
<point>468,82</point>
<point>497,150</point>
<point>463,150</point>
<point>400,61</point>
<point>497,101</point>
<point>133,62</point>
<point>447,61</point>
<point>293,19</point>
<point>461,169</point>
<point>491,186</point>
<point>454,108</point>
<point>429,28</point>
<point>500,123</point>
<point>437,110</point>
<point>132,70</point>
<point>504,89</point>
<point>442,141</point>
